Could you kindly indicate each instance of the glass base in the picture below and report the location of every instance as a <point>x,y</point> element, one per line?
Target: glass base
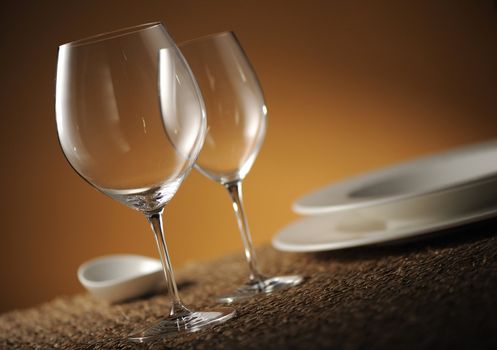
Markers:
<point>183,322</point>
<point>264,286</point>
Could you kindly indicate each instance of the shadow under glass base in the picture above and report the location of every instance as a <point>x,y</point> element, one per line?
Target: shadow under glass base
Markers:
<point>183,322</point>
<point>264,286</point>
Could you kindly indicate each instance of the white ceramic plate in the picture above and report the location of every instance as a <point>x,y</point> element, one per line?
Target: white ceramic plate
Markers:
<point>352,229</point>
<point>428,175</point>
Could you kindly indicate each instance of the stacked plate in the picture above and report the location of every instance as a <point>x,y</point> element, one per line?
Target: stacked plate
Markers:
<point>410,199</point>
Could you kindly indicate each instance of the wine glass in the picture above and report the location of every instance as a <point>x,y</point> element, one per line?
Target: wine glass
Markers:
<point>236,126</point>
<point>131,122</point>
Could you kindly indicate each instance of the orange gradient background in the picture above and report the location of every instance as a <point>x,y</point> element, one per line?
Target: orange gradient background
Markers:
<point>350,86</point>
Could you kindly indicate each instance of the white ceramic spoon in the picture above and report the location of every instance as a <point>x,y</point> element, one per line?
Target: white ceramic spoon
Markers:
<point>116,278</point>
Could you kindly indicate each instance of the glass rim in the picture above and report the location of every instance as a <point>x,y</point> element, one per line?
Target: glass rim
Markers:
<point>208,36</point>
<point>92,39</point>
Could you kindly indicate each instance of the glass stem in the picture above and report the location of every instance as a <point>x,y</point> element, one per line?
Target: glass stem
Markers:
<point>155,220</point>
<point>235,191</point>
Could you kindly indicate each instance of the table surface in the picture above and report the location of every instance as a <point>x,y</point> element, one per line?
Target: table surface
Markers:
<point>439,292</point>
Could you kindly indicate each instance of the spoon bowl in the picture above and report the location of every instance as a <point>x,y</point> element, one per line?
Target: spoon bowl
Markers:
<point>116,278</point>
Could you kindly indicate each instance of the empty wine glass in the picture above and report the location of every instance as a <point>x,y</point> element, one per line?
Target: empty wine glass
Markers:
<point>236,126</point>
<point>131,121</point>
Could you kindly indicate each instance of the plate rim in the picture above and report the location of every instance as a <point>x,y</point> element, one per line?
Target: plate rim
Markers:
<point>407,232</point>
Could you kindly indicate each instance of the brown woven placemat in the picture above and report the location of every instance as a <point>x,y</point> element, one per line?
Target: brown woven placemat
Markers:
<point>436,293</point>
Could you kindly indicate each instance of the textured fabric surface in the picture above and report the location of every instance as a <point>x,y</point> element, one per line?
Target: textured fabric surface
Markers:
<point>440,292</point>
